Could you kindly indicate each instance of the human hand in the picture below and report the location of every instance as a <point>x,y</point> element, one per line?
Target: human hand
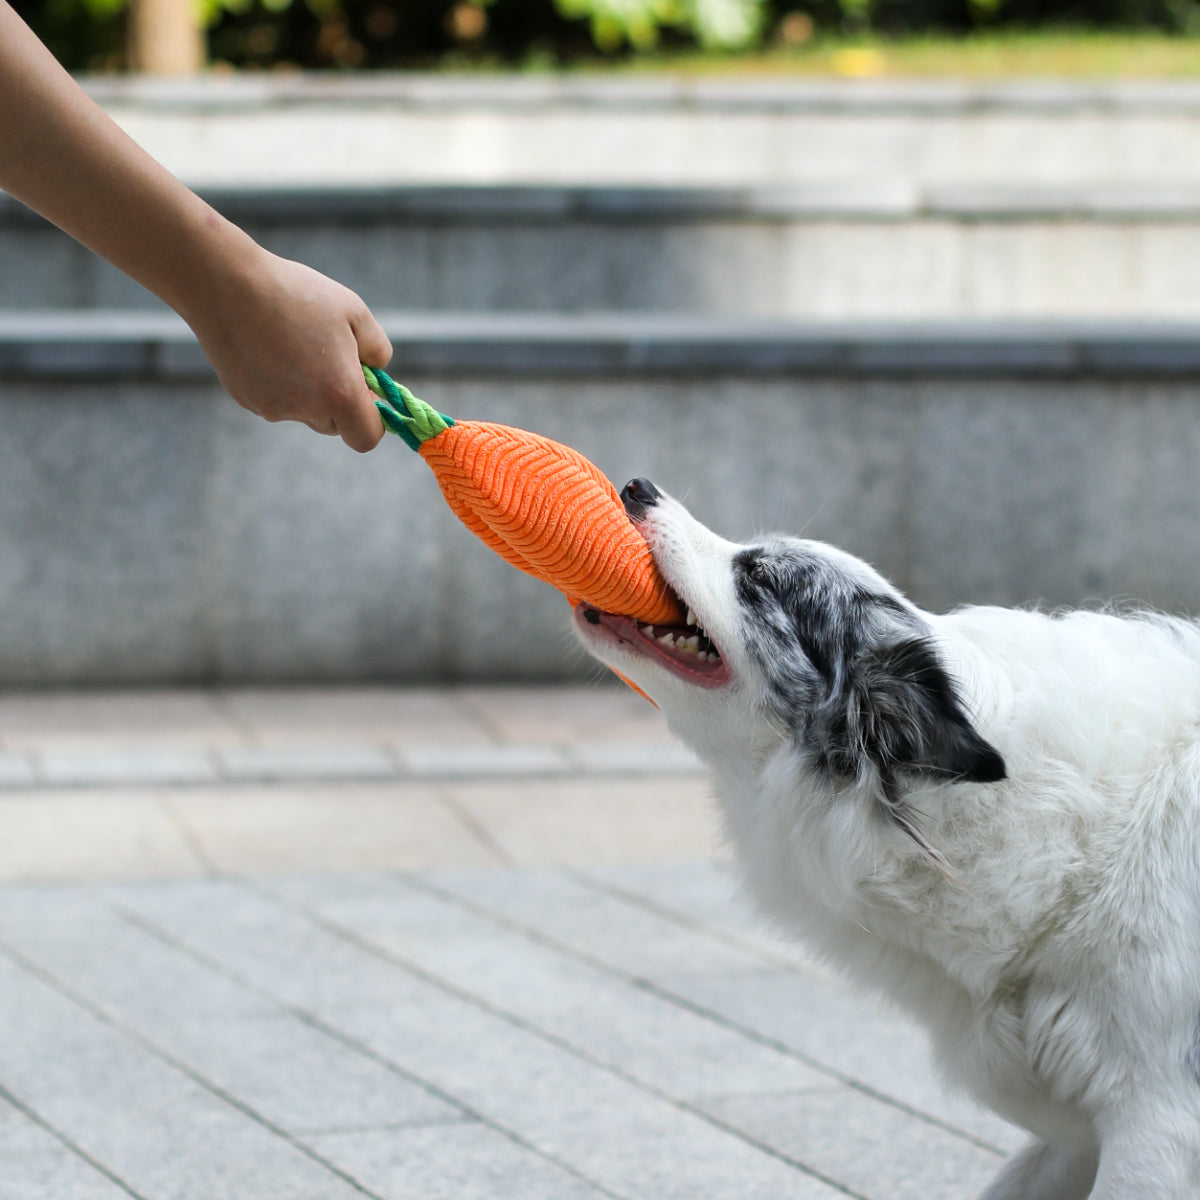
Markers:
<point>287,343</point>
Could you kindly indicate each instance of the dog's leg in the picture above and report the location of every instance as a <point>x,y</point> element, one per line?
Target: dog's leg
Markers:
<point>1042,1172</point>
<point>1159,1160</point>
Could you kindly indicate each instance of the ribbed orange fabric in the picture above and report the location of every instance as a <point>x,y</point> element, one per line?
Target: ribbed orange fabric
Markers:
<point>547,510</point>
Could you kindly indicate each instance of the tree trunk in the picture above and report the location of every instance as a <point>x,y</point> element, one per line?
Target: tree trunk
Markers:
<point>165,37</point>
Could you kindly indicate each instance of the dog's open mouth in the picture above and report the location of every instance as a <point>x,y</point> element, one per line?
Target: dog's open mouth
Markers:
<point>685,650</point>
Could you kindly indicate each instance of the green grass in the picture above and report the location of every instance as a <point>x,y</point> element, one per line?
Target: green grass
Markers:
<point>1044,54</point>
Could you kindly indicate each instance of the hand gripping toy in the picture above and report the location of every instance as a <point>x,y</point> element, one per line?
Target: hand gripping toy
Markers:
<point>537,503</point>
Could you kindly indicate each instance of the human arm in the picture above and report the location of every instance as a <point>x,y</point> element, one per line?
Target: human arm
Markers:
<point>285,341</point>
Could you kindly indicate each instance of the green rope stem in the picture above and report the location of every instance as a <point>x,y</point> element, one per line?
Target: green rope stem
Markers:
<point>405,415</point>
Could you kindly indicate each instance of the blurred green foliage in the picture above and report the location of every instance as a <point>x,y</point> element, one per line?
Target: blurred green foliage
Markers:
<point>714,24</point>
<point>89,34</point>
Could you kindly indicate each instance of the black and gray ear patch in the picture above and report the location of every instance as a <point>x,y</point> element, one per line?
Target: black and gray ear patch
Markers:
<point>898,709</point>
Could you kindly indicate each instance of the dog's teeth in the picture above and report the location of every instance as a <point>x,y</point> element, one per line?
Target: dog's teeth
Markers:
<point>667,639</point>
<point>691,617</point>
<point>648,629</point>
<point>691,645</point>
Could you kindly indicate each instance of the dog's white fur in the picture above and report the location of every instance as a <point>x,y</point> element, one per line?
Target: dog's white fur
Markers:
<point>1044,927</point>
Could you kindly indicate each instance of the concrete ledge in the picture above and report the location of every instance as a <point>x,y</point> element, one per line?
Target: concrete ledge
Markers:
<point>149,345</point>
<point>855,200</point>
<point>98,345</point>
<point>670,132</point>
<point>441,92</point>
<point>829,251</point>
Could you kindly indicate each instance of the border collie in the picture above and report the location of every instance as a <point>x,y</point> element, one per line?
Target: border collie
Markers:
<point>991,816</point>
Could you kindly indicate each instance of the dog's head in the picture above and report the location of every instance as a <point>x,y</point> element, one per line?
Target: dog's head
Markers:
<point>799,638</point>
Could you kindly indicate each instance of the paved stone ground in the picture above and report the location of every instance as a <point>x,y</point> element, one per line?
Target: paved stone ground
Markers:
<point>469,943</point>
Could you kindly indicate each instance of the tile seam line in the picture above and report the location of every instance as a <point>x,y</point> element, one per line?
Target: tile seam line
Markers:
<point>66,1141</point>
<point>474,828</point>
<point>384,954</point>
<point>190,838</point>
<point>312,1021</point>
<point>648,985</point>
<point>74,996</point>
<point>224,707</point>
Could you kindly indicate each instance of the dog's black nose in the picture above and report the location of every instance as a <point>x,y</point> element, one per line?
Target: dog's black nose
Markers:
<point>638,495</point>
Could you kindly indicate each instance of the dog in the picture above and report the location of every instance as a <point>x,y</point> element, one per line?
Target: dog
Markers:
<point>991,816</point>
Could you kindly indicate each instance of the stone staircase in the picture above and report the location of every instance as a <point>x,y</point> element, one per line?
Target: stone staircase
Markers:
<point>949,328</point>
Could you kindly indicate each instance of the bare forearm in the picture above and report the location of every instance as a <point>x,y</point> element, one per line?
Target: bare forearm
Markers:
<point>61,154</point>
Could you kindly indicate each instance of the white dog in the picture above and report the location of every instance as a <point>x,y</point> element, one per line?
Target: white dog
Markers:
<point>992,816</point>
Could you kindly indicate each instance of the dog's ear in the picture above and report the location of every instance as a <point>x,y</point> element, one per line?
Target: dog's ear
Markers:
<point>899,710</point>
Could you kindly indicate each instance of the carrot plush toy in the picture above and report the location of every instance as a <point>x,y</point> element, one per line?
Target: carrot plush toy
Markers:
<point>539,504</point>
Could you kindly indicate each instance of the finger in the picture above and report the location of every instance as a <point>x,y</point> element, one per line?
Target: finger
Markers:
<point>327,427</point>
<point>362,434</point>
<point>374,348</point>
<point>358,423</point>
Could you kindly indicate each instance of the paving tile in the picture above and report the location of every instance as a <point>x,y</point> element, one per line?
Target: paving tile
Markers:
<point>303,1079</point>
<point>273,764</point>
<point>876,1151</point>
<point>659,1043</point>
<point>573,1112</point>
<point>609,1131</point>
<point>584,822</point>
<point>708,894</point>
<point>71,933</point>
<point>607,712</point>
<point>639,942</point>
<point>282,716</point>
<point>56,718</point>
<point>298,1078</point>
<point>291,1073</point>
<point>111,765</point>
<point>157,1130</point>
<point>326,828</point>
<point>73,835</point>
<point>304,968</point>
<point>847,1033</point>
<point>463,1161</point>
<point>735,979</point>
<point>38,1166</point>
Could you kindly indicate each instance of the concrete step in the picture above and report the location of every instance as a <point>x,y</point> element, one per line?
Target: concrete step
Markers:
<point>150,531</point>
<point>823,251</point>
<point>665,131</point>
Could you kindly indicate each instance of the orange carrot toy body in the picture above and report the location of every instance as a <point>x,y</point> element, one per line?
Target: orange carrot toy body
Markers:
<point>537,503</point>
